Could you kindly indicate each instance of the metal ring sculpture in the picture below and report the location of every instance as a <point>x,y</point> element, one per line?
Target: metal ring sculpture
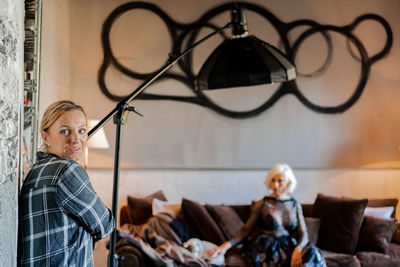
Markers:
<point>180,32</point>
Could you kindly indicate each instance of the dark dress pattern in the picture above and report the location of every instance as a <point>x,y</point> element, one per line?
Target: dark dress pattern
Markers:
<point>274,229</point>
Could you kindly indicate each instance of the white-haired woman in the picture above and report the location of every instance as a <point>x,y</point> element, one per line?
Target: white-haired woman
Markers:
<point>275,233</point>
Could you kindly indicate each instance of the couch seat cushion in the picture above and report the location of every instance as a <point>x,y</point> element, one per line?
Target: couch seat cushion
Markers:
<point>373,259</point>
<point>339,259</point>
<point>313,225</point>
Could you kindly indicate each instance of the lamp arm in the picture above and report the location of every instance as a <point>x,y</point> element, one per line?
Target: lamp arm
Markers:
<point>120,113</point>
<point>171,62</point>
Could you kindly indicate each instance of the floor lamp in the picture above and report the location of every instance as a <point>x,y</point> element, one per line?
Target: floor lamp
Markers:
<point>98,141</point>
<point>241,60</point>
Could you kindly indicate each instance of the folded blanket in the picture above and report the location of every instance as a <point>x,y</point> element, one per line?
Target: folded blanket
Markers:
<point>158,241</point>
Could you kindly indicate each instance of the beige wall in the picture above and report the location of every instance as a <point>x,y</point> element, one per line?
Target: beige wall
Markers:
<point>71,74</point>
<point>181,165</point>
<point>55,58</point>
<point>196,137</point>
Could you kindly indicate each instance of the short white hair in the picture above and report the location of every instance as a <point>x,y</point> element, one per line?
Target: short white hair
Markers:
<point>286,172</point>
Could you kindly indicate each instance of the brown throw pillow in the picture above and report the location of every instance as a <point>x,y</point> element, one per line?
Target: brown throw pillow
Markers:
<point>313,225</point>
<point>340,222</point>
<point>227,219</point>
<point>140,209</point>
<point>375,234</point>
<point>197,216</point>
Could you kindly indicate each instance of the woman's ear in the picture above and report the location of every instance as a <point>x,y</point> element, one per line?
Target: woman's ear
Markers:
<point>44,135</point>
<point>288,185</point>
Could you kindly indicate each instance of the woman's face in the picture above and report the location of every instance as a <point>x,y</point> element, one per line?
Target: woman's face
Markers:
<point>278,184</point>
<point>67,136</point>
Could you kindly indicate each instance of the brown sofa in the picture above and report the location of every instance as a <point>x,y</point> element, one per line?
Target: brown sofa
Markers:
<point>337,226</point>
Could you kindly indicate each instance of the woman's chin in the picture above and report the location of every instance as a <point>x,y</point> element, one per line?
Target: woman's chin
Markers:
<point>74,156</point>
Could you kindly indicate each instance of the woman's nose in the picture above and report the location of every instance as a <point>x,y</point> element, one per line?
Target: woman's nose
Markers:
<point>74,137</point>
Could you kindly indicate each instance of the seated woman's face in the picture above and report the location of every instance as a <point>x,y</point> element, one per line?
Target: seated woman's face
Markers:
<point>67,137</point>
<point>278,184</point>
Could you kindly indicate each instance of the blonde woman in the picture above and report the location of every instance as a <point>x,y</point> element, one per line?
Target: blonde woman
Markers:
<point>60,214</point>
<point>275,233</point>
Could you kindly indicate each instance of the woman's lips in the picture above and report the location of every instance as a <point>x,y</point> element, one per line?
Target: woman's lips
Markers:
<point>75,149</point>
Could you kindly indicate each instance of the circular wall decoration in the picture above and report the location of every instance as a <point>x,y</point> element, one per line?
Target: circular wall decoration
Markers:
<point>184,35</point>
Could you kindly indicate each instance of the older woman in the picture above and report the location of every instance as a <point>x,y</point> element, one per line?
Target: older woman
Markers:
<point>275,233</point>
<point>60,214</point>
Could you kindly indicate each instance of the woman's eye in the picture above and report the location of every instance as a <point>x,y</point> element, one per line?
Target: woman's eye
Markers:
<point>82,131</point>
<point>65,132</point>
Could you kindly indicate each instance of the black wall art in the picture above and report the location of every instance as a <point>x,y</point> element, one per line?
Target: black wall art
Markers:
<point>184,35</point>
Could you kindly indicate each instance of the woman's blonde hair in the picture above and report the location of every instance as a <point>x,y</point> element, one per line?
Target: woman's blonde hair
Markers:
<point>286,171</point>
<point>54,112</point>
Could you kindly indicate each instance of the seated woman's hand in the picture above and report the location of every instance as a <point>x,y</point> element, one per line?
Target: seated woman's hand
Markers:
<point>296,258</point>
<point>218,251</point>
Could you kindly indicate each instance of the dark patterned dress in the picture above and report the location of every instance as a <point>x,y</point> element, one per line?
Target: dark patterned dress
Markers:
<point>274,229</point>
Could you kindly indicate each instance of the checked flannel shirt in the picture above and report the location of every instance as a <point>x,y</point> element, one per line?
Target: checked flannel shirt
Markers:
<point>60,215</point>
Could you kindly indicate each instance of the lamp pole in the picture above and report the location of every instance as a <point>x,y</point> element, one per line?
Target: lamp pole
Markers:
<point>120,114</point>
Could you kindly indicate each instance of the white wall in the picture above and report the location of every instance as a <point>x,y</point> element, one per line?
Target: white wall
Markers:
<point>11,102</point>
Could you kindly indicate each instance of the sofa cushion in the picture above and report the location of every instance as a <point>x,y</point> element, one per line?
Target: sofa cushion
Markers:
<point>384,202</point>
<point>140,209</point>
<point>394,251</point>
<point>307,209</point>
<point>381,212</point>
<point>227,219</point>
<point>340,222</point>
<point>375,234</point>
<point>197,215</point>
<point>313,225</point>
<point>339,259</point>
<point>374,259</point>
<point>396,233</point>
<point>161,206</point>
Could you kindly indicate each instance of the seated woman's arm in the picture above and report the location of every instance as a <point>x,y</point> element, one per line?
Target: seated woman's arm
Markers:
<point>302,233</point>
<point>246,229</point>
<point>302,237</point>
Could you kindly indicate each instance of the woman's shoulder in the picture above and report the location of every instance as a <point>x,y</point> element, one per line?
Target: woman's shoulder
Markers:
<point>270,198</point>
<point>59,166</point>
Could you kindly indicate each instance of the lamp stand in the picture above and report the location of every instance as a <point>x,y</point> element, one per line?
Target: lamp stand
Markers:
<point>120,114</point>
<point>119,120</point>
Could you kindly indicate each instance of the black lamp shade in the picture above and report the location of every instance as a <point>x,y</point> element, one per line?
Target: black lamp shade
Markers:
<point>244,61</point>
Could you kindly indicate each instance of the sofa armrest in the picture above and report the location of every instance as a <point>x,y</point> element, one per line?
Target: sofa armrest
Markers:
<point>396,233</point>
<point>124,216</point>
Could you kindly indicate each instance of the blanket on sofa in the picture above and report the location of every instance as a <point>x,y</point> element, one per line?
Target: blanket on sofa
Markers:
<point>159,242</point>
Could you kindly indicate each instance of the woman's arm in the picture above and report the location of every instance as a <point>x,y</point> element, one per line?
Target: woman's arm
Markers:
<point>75,195</point>
<point>301,227</point>
<point>241,234</point>
<point>250,224</point>
<point>302,238</point>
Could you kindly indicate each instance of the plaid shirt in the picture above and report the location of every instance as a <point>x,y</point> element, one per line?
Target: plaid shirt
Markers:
<point>60,214</point>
